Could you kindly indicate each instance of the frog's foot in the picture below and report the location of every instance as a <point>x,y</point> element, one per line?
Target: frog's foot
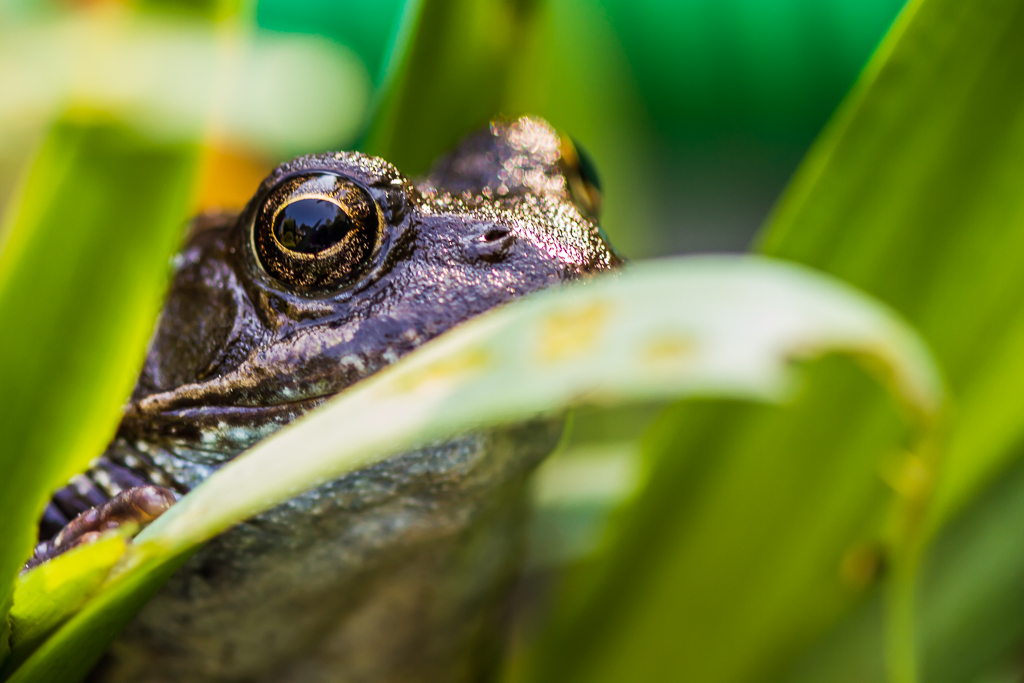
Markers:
<point>139,505</point>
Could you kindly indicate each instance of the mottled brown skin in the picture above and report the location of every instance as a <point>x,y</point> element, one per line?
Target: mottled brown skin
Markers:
<point>393,573</point>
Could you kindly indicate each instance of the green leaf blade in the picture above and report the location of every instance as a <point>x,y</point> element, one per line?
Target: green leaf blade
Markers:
<point>590,344</point>
<point>446,76</point>
<point>913,195</point>
<point>178,80</point>
<point>101,211</point>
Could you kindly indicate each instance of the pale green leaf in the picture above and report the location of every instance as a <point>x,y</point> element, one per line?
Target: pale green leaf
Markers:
<point>712,326</point>
<point>180,79</point>
<point>707,326</point>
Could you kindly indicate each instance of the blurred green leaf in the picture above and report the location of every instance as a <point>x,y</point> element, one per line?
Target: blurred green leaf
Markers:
<point>970,601</point>
<point>757,528</point>
<point>590,343</point>
<point>176,78</point>
<point>365,27</point>
<point>445,75</point>
<point>73,651</point>
<point>913,193</point>
<point>82,270</point>
<point>971,596</point>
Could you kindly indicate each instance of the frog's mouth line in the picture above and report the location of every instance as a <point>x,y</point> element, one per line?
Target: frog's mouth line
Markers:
<point>241,390</point>
<point>212,428</point>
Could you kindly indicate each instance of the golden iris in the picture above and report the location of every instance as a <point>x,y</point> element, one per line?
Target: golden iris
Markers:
<point>317,232</point>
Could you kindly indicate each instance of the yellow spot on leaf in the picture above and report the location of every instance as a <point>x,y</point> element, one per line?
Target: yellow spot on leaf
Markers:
<point>669,349</point>
<point>568,333</point>
<point>444,371</point>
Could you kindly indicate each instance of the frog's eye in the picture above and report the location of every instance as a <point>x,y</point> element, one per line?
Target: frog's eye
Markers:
<point>581,176</point>
<point>317,232</point>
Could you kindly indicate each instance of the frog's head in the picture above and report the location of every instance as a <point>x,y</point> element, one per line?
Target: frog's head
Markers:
<point>339,266</point>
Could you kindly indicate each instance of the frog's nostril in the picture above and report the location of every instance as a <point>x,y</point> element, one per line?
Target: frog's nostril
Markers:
<point>491,243</point>
<point>495,233</point>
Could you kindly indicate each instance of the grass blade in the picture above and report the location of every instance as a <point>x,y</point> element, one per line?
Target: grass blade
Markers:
<point>445,76</point>
<point>82,273</point>
<point>912,193</point>
<point>908,194</point>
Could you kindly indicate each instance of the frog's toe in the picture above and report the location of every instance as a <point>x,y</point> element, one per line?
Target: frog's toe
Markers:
<point>139,505</point>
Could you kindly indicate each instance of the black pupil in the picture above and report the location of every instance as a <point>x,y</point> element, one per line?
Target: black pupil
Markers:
<point>312,225</point>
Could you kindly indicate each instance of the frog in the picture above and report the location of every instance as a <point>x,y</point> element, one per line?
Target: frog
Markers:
<point>338,267</point>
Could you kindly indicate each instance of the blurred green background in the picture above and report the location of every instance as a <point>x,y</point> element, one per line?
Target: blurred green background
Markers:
<point>696,111</point>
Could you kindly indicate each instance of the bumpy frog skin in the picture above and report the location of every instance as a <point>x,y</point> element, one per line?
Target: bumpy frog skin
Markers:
<point>398,572</point>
